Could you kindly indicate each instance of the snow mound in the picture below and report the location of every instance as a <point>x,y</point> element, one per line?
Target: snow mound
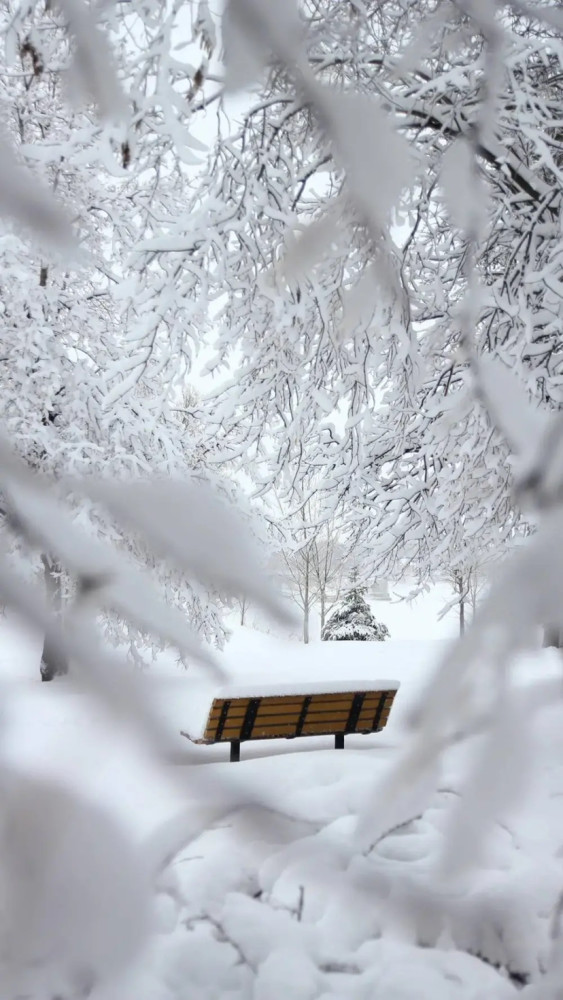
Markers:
<point>259,689</point>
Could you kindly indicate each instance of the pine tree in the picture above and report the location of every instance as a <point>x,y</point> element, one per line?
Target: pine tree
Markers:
<point>354,620</point>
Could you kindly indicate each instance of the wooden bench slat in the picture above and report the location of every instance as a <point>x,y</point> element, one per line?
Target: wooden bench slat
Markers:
<point>241,719</point>
<point>236,714</point>
<point>278,712</point>
<point>235,733</point>
<point>239,706</point>
<point>370,713</point>
<point>285,730</point>
<point>295,700</point>
<point>262,730</point>
<point>340,715</point>
<point>379,713</point>
<point>367,714</point>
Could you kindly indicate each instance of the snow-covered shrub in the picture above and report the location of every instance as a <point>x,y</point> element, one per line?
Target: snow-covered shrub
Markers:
<point>354,620</point>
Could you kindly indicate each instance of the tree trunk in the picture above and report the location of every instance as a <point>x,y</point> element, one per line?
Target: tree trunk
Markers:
<point>243,605</point>
<point>306,624</point>
<point>323,608</point>
<point>306,608</point>
<point>460,588</point>
<point>462,614</point>
<point>52,663</point>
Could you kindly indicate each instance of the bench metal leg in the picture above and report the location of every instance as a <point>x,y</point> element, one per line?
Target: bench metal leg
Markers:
<point>339,741</point>
<point>235,750</point>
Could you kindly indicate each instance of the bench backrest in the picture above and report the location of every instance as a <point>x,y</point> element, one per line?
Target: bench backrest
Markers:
<point>279,716</point>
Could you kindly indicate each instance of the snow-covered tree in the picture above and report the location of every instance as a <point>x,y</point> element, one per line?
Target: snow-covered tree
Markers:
<point>347,330</point>
<point>331,561</point>
<point>312,555</point>
<point>468,583</point>
<point>299,573</point>
<point>67,399</point>
<point>354,620</point>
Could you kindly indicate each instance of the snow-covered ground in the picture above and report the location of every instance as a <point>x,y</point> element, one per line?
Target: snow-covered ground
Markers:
<point>271,899</point>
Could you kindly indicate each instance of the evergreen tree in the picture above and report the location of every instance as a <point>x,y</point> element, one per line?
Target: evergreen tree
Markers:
<point>354,620</point>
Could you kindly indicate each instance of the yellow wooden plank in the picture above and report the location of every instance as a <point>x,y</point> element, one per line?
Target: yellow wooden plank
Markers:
<point>234,733</point>
<point>233,713</point>
<point>239,705</point>
<point>284,699</point>
<point>275,731</point>
<point>295,701</point>
<point>278,712</point>
<point>291,700</point>
<point>217,704</point>
<point>270,732</point>
<point>279,715</point>
<point>315,713</point>
<point>331,704</point>
<point>310,728</point>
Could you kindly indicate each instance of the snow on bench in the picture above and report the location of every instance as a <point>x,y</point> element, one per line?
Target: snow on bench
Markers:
<point>239,714</point>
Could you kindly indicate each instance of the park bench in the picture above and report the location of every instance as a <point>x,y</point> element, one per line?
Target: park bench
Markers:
<point>283,712</point>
